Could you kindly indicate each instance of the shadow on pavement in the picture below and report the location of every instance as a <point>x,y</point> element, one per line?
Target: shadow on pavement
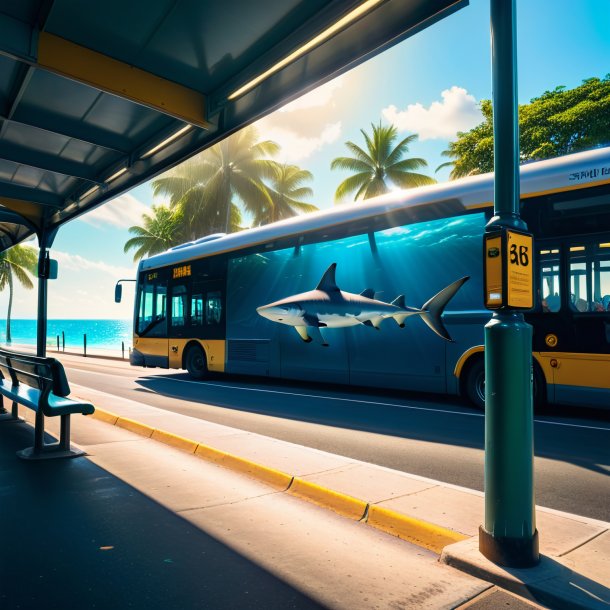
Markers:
<point>75,536</point>
<point>269,397</point>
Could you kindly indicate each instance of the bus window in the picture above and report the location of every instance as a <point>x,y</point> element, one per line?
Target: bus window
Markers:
<point>151,320</point>
<point>550,291</point>
<point>179,306</point>
<point>590,277</point>
<point>213,308</point>
<point>197,309</point>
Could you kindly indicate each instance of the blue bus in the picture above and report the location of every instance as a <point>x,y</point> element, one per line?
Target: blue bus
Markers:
<point>375,293</point>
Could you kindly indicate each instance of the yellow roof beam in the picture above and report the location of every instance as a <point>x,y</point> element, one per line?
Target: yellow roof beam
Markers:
<point>112,76</point>
<point>30,211</point>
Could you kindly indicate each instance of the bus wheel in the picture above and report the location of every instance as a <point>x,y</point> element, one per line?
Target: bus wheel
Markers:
<point>195,362</point>
<point>474,383</point>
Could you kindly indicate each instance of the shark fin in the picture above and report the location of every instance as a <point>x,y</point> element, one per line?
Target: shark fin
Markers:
<point>302,330</point>
<point>400,319</point>
<point>399,301</point>
<point>432,310</point>
<point>368,293</point>
<point>373,322</point>
<point>328,283</point>
<point>313,321</point>
<point>316,335</point>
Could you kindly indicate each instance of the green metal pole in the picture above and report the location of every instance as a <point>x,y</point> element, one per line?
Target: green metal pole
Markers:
<point>509,536</point>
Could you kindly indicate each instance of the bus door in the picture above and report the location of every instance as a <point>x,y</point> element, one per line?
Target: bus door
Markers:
<point>151,320</point>
<point>179,320</point>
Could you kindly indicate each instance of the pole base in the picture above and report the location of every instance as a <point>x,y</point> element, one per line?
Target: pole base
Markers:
<point>50,452</point>
<point>509,552</point>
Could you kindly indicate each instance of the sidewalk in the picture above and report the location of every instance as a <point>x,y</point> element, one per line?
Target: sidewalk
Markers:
<point>575,571</point>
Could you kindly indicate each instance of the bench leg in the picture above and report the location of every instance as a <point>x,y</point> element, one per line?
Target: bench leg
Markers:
<point>40,451</point>
<point>64,433</point>
<point>39,432</point>
<point>13,415</point>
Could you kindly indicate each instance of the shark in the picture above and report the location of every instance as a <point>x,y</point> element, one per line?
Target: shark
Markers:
<point>327,306</point>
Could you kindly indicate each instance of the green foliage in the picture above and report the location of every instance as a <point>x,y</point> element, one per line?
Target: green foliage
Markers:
<point>286,191</point>
<point>18,262</point>
<point>378,167</point>
<point>161,231</point>
<point>557,123</point>
<point>207,193</point>
<point>205,188</point>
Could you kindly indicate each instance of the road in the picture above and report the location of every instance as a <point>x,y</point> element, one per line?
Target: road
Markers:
<point>428,435</point>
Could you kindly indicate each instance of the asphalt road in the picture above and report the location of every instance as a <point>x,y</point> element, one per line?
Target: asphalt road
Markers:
<point>428,435</point>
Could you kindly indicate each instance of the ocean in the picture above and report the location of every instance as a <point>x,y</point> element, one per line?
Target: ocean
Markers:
<point>101,334</point>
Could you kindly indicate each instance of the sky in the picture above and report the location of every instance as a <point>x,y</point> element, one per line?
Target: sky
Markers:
<point>430,85</point>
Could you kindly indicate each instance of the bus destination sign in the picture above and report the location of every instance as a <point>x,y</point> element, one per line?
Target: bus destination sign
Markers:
<point>509,280</point>
<point>182,271</point>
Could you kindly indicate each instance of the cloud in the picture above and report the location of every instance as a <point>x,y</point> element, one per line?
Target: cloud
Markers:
<point>322,96</point>
<point>76,262</point>
<point>296,147</point>
<point>124,211</point>
<point>458,111</point>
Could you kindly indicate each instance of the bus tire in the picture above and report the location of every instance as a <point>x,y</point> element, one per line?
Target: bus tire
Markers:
<point>195,362</point>
<point>474,383</point>
<point>539,389</point>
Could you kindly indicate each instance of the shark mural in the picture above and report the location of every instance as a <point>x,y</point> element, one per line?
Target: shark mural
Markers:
<point>329,307</point>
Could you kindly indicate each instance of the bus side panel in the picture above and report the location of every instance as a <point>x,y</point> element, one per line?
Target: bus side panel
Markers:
<point>416,261</point>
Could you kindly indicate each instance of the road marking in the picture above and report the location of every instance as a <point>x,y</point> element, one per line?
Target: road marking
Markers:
<point>367,402</point>
<point>354,400</point>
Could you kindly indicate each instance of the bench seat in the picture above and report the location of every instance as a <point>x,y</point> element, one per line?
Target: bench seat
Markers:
<point>40,384</point>
<point>30,398</point>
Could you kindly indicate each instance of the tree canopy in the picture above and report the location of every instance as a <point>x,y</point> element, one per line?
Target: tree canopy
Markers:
<point>18,262</point>
<point>382,164</point>
<point>557,123</point>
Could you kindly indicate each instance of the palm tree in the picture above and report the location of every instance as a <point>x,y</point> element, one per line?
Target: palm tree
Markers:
<point>160,232</point>
<point>286,190</point>
<point>18,262</point>
<point>206,187</point>
<point>380,165</point>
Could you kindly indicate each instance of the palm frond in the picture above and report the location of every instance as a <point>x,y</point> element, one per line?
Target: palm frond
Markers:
<point>351,184</point>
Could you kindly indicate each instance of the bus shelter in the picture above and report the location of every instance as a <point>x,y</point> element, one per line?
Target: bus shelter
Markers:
<point>97,98</point>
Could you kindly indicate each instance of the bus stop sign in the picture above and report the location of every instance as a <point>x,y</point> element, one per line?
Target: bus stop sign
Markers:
<point>508,262</point>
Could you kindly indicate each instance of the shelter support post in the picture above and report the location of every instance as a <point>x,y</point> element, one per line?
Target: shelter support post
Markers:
<point>45,241</point>
<point>508,536</point>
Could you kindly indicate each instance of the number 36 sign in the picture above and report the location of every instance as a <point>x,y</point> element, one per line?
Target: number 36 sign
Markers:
<point>508,263</point>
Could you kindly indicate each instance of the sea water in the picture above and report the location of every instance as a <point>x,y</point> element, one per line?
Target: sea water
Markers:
<point>101,334</point>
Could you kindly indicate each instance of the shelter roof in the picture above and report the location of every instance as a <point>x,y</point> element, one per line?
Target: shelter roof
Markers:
<point>98,97</point>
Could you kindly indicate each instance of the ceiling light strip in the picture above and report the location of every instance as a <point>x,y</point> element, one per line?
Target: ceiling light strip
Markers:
<point>325,35</point>
<point>167,141</point>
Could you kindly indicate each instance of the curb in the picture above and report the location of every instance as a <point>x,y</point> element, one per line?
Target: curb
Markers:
<point>421,533</point>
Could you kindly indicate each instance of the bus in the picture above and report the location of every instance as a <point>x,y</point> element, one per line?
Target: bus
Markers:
<point>241,303</point>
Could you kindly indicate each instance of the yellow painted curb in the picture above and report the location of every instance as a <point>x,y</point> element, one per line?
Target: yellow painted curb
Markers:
<point>275,478</point>
<point>174,440</point>
<point>135,426</point>
<point>340,503</point>
<point>428,535</point>
<point>106,416</point>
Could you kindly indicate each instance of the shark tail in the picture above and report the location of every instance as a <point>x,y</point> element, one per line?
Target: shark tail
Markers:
<point>432,310</point>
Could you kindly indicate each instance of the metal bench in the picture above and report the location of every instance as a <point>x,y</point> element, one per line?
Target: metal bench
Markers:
<point>41,385</point>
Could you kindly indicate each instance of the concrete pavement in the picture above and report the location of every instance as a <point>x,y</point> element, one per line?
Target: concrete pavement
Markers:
<point>575,571</point>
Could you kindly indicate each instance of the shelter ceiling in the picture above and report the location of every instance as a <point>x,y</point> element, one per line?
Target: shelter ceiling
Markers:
<point>91,92</point>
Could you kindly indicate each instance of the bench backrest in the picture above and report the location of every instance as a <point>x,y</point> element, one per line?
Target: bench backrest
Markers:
<point>34,371</point>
